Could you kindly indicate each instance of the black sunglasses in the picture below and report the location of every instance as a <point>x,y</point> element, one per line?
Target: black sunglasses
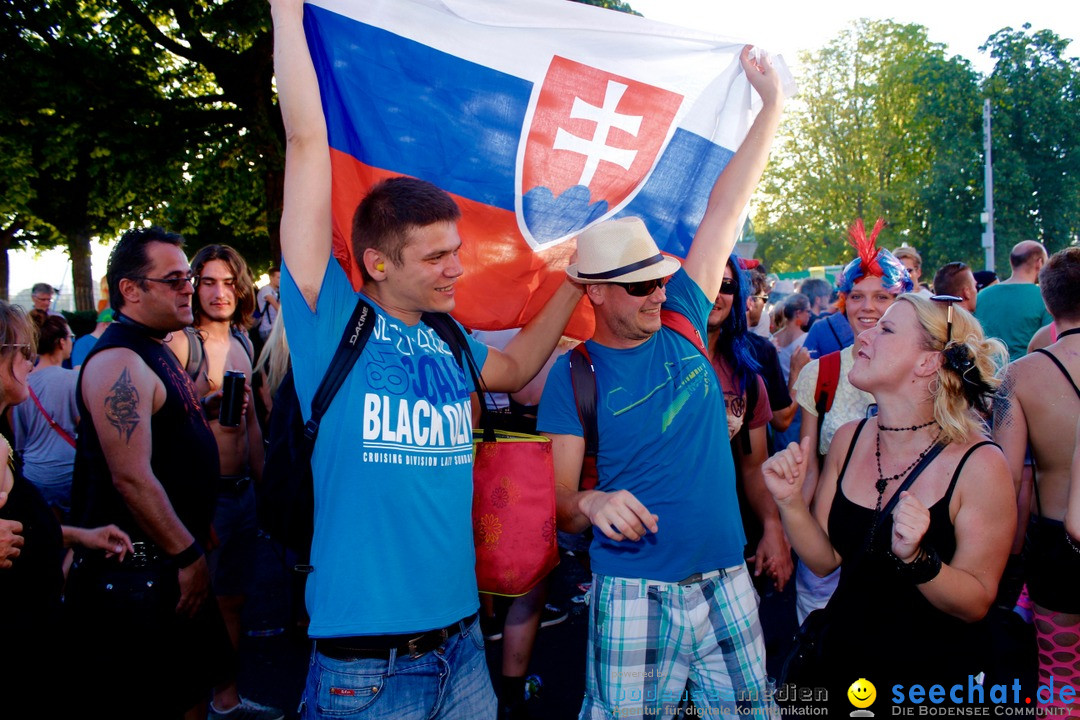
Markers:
<point>643,288</point>
<point>950,299</point>
<point>728,286</point>
<point>176,284</point>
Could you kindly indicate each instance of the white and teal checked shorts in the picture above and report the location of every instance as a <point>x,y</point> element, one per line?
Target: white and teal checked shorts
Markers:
<point>653,645</point>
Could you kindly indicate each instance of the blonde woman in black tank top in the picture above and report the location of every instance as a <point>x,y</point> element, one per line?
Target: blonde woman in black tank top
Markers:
<point>920,572</point>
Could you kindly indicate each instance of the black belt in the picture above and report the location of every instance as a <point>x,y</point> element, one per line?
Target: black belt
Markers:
<point>698,577</point>
<point>379,646</point>
<point>234,484</point>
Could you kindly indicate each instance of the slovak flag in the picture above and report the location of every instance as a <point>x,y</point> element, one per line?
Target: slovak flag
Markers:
<point>539,117</point>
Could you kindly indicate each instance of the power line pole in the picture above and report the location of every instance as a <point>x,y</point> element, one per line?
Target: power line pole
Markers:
<point>988,181</point>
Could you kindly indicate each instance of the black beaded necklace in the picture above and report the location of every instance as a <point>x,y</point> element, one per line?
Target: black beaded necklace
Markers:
<point>883,482</point>
<point>902,429</point>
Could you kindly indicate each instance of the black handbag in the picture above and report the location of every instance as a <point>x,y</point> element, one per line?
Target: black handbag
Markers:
<point>141,592</point>
<point>805,661</point>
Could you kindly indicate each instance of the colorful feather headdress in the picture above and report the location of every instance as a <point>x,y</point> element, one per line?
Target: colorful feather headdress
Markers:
<point>870,260</point>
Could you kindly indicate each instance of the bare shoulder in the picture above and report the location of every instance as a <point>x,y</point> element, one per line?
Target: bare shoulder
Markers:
<point>985,470</point>
<point>842,440</point>
<point>178,343</point>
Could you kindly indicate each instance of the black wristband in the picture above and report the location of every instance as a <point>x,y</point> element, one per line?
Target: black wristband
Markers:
<point>924,568</point>
<point>188,555</point>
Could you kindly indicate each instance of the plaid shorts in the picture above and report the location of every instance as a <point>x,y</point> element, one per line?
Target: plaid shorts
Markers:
<point>654,645</point>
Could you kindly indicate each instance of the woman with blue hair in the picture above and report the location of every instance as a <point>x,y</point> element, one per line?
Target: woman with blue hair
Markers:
<point>867,286</point>
<point>748,414</point>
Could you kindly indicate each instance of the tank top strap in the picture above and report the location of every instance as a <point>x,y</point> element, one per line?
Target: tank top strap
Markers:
<point>1061,367</point>
<point>850,450</point>
<point>960,467</point>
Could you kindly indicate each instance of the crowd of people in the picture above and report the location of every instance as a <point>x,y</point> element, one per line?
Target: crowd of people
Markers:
<point>885,462</point>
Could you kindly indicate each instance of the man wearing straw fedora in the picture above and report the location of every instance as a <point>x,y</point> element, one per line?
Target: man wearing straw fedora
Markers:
<point>673,608</point>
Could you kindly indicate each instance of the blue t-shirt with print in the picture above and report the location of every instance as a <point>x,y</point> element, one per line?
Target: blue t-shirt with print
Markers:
<point>393,543</point>
<point>662,436</point>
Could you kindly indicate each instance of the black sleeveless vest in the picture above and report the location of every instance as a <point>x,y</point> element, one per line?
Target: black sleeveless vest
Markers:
<point>184,452</point>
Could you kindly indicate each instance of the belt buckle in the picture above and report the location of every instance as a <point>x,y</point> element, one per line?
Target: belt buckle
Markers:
<point>414,643</point>
<point>140,553</point>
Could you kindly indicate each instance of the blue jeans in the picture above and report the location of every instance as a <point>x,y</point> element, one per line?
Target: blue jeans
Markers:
<point>451,682</point>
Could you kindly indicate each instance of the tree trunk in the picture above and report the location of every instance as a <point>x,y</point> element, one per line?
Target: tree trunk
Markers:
<point>81,277</point>
<point>5,268</point>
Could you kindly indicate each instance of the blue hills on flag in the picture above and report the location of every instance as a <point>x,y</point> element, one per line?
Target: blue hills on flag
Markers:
<point>540,118</point>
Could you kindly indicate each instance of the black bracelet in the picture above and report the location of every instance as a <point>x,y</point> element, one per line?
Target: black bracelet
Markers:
<point>924,568</point>
<point>188,555</point>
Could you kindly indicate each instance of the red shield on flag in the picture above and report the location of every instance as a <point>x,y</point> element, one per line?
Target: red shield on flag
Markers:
<point>593,139</point>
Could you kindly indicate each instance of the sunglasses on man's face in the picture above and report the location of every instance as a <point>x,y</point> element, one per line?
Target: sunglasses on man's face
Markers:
<point>643,288</point>
<point>728,286</point>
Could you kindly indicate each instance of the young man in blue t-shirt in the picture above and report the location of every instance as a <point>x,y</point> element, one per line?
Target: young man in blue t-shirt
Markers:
<point>393,594</point>
<point>672,602</point>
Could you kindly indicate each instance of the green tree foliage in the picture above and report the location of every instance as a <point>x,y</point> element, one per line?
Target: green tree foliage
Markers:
<point>83,138</point>
<point>611,5</point>
<point>126,111</point>
<point>227,173</point>
<point>885,125</point>
<point>1035,95</point>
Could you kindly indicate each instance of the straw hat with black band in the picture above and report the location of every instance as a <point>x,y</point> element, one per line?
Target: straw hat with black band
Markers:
<point>620,250</point>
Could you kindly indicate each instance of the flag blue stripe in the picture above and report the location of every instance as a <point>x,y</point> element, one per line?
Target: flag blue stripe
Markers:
<point>397,104</point>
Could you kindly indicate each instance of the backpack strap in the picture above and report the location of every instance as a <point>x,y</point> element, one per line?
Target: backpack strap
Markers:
<point>356,334</point>
<point>682,325</point>
<point>828,379</point>
<point>452,334</point>
<point>196,359</point>
<point>583,382</point>
<point>245,342</point>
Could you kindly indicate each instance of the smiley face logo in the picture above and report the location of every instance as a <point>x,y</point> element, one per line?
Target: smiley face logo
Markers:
<point>862,693</point>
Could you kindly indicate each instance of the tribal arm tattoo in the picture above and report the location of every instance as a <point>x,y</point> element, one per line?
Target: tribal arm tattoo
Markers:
<point>121,404</point>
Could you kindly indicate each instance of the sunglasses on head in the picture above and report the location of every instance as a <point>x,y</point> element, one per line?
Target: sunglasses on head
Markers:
<point>950,299</point>
<point>643,288</point>
<point>728,286</point>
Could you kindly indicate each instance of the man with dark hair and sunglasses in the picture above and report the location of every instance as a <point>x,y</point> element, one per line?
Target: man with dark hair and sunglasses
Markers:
<point>668,539</point>
<point>147,461</point>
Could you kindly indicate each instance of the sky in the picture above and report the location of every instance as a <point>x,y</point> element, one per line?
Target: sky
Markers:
<point>960,24</point>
